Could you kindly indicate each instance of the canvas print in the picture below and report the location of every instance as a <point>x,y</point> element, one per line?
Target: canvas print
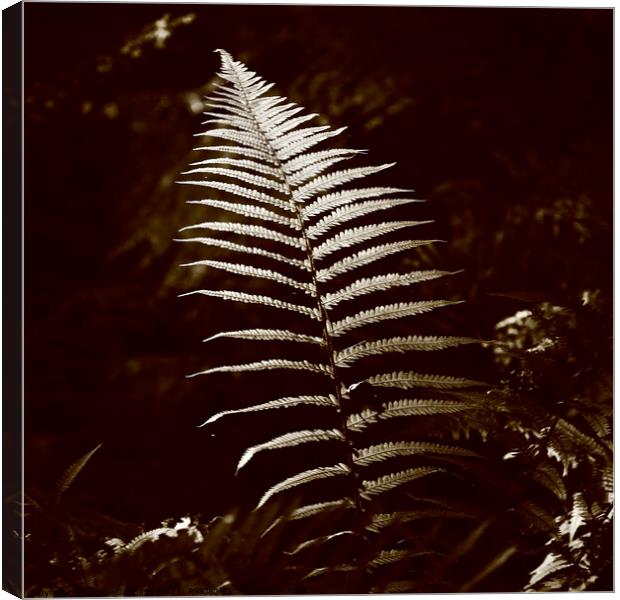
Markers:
<point>318,300</point>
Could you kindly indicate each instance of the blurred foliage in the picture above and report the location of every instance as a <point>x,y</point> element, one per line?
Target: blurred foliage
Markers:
<point>502,119</point>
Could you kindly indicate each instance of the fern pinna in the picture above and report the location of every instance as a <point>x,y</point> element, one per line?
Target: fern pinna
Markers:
<point>303,237</point>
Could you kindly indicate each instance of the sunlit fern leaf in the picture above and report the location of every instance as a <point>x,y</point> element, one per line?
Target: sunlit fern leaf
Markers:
<point>383,520</point>
<point>569,432</point>
<point>250,271</point>
<point>380,452</point>
<point>289,440</point>
<point>68,477</point>
<point>547,475</point>
<point>234,247</point>
<point>405,380</point>
<point>256,299</point>
<point>304,477</point>
<point>349,237</point>
<point>318,540</point>
<point>248,210</point>
<point>348,213</point>
<point>345,197</point>
<point>399,344</point>
<point>551,564</point>
<point>600,423</point>
<point>328,401</point>
<point>275,335</point>
<point>146,537</point>
<point>244,229</point>
<point>579,515</point>
<point>386,483</point>
<point>365,257</point>
<point>379,283</point>
<point>275,175</point>
<point>267,365</point>
<point>387,312</point>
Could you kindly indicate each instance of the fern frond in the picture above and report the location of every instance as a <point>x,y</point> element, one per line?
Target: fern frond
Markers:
<point>323,183</point>
<point>388,482</point>
<point>344,214</point>
<point>68,477</point>
<point>399,344</point>
<point>357,235</point>
<point>318,540</point>
<point>380,283</point>
<point>234,247</point>
<point>365,257</point>
<point>266,365</point>
<point>406,380</point>
<point>286,402</point>
<point>310,510</point>
<point>548,476</point>
<point>289,440</point>
<point>552,564</point>
<point>577,437</point>
<point>256,299</point>
<point>343,197</point>
<point>579,515</point>
<point>245,229</point>
<point>383,520</point>
<point>303,478</point>
<point>380,452</point>
<point>248,210</point>
<point>599,423</point>
<point>249,271</point>
<point>387,312</point>
<point>243,192</point>
<point>275,335</point>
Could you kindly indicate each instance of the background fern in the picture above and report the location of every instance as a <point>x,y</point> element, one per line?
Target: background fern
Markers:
<point>503,184</point>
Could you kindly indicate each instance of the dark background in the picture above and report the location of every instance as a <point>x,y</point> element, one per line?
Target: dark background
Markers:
<point>500,118</point>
